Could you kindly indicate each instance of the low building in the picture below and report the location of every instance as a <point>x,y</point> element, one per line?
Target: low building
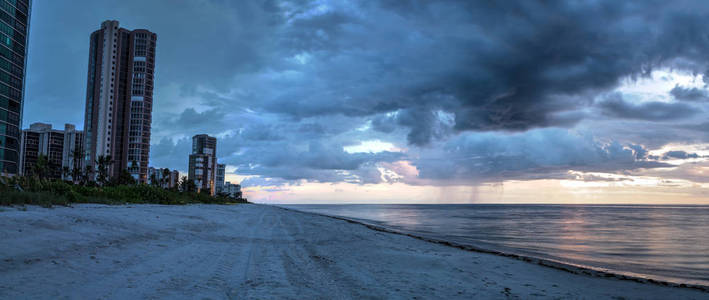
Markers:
<point>232,190</point>
<point>63,150</point>
<point>163,177</point>
<point>73,153</point>
<point>174,179</point>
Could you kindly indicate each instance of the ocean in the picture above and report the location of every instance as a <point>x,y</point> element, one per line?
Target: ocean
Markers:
<point>669,243</point>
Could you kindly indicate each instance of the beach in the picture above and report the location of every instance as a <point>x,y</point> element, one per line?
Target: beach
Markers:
<point>257,251</point>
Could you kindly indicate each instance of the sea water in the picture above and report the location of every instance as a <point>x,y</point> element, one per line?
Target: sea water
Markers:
<point>661,242</point>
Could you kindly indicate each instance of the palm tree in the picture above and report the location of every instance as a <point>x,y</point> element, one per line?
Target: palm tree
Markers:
<point>88,172</point>
<point>153,180</point>
<point>187,185</point>
<point>65,172</point>
<point>124,178</point>
<point>103,163</point>
<point>165,177</point>
<point>41,167</point>
<point>77,155</point>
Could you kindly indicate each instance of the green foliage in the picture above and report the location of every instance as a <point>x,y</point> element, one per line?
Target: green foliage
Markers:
<point>41,167</point>
<point>30,190</point>
<point>102,164</point>
<point>44,199</point>
<point>124,178</point>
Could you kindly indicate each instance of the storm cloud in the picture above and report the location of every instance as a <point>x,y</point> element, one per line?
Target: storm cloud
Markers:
<point>470,91</point>
<point>616,106</point>
<point>540,153</point>
<point>689,94</point>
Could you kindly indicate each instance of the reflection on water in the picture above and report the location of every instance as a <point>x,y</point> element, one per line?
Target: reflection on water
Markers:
<point>662,242</point>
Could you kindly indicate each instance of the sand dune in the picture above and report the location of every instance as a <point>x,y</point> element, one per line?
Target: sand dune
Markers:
<point>257,251</point>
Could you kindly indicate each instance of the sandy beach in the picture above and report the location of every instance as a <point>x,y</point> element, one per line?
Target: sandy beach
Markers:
<point>257,252</point>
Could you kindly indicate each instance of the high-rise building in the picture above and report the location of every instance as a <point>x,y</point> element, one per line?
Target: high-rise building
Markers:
<point>57,146</point>
<point>221,172</point>
<point>119,98</point>
<point>14,28</point>
<point>203,163</point>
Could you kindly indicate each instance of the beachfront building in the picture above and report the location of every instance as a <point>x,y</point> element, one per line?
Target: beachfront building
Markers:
<point>174,181</point>
<point>14,28</point>
<point>73,151</point>
<point>203,163</point>
<point>60,148</point>
<point>163,177</point>
<point>221,172</point>
<point>119,98</point>
<point>232,190</point>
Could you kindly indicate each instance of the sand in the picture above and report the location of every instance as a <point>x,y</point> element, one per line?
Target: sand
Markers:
<point>257,252</point>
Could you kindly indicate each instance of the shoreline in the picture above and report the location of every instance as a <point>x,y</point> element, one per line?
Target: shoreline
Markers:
<point>550,263</point>
<point>261,251</point>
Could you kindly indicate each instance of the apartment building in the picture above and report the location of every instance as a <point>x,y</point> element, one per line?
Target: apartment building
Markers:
<point>14,30</point>
<point>119,98</point>
<point>203,163</point>
<point>58,146</point>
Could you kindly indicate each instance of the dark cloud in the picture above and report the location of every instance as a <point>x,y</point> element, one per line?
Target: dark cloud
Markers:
<point>502,66</point>
<point>541,153</point>
<point>261,132</point>
<point>639,151</point>
<point>286,84</point>
<point>191,118</point>
<point>689,94</point>
<point>678,154</point>
<point>424,124</point>
<point>701,127</point>
<point>615,106</point>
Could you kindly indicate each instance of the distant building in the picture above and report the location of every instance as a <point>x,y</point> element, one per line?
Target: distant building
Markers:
<point>163,177</point>
<point>154,176</point>
<point>57,145</point>
<point>72,155</point>
<point>233,190</point>
<point>203,163</point>
<point>174,179</point>
<point>13,59</point>
<point>119,98</point>
<point>221,172</point>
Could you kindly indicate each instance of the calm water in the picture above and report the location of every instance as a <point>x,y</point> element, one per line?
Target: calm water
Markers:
<point>661,242</point>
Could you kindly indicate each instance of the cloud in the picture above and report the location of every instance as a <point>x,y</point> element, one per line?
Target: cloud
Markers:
<point>169,154</point>
<point>537,69</point>
<point>424,124</point>
<point>477,91</point>
<point>693,172</point>
<point>678,154</point>
<point>191,118</point>
<point>313,161</point>
<point>615,106</point>
<point>689,94</point>
<point>540,153</point>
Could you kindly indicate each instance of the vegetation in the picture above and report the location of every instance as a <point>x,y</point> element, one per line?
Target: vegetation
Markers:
<point>37,189</point>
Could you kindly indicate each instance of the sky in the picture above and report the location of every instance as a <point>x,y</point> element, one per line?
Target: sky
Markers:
<point>411,101</point>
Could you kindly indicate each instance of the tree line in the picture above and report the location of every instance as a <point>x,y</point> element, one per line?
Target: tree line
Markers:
<point>96,185</point>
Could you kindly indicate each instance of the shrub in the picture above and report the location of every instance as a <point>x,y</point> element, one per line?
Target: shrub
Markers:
<point>48,193</point>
